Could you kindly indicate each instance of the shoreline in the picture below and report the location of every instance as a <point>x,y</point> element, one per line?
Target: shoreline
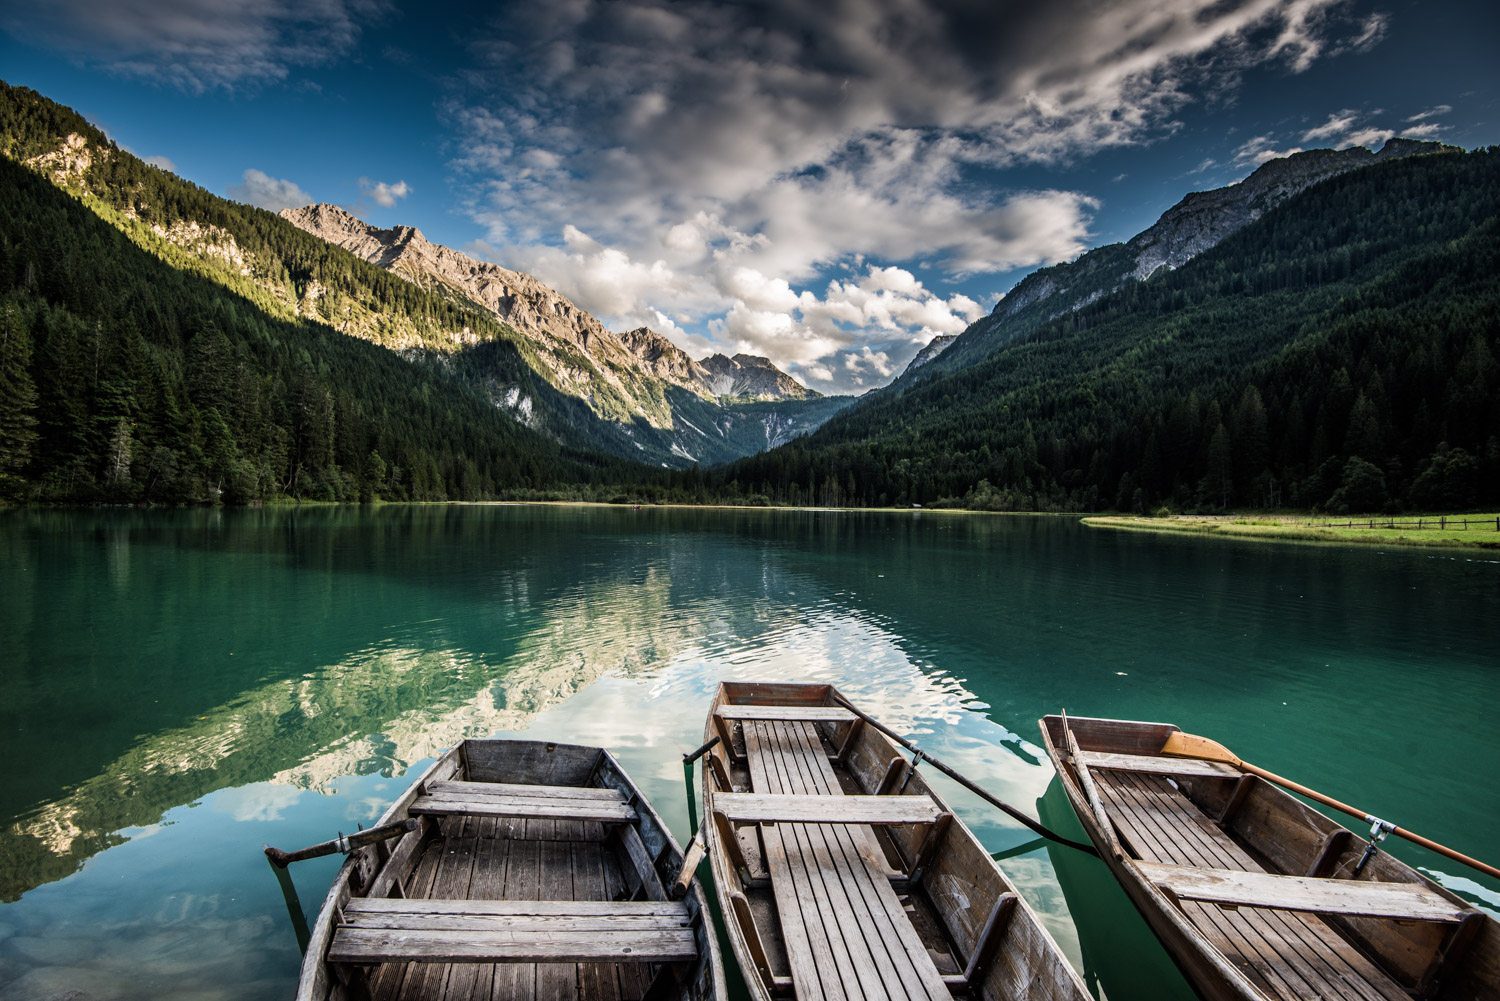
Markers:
<point>1268,528</point>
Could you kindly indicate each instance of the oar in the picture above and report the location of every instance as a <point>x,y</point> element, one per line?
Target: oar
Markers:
<point>1188,745</point>
<point>344,844</point>
<point>918,755</point>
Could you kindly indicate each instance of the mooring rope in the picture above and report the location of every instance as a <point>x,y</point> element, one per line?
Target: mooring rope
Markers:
<point>919,755</point>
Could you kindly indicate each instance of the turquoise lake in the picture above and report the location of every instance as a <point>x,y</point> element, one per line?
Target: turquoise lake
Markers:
<point>179,688</point>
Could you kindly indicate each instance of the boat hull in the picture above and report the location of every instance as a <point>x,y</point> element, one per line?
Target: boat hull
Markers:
<point>1275,833</point>
<point>586,843</point>
<point>950,891</point>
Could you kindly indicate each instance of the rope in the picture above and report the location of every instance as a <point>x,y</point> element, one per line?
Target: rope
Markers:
<point>919,755</point>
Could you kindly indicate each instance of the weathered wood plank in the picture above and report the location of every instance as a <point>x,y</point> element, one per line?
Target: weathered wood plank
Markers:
<point>673,909</point>
<point>1406,901</point>
<point>844,902</point>
<point>599,980</point>
<point>803,937</point>
<point>634,979</point>
<point>899,957</point>
<point>539,923</point>
<point>521,790</point>
<point>557,981</point>
<point>597,810</point>
<point>820,878</point>
<point>1289,954</point>
<point>757,808</point>
<point>522,882</point>
<point>1154,765</point>
<point>1306,946</point>
<point>381,945</point>
<point>864,923</point>
<point>529,761</point>
<point>795,714</point>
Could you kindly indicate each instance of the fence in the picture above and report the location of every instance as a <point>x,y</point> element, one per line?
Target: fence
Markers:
<point>1440,522</point>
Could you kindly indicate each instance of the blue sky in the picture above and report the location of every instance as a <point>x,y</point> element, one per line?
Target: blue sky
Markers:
<point>829,185</point>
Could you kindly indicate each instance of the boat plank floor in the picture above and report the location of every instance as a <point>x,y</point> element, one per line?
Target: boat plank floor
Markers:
<point>488,858</point>
<point>847,935</point>
<point>1287,954</point>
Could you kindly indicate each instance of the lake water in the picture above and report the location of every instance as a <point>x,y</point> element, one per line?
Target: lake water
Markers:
<point>178,688</point>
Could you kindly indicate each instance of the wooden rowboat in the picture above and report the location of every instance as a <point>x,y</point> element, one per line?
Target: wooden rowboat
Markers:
<point>841,874</point>
<point>1253,892</point>
<point>534,871</point>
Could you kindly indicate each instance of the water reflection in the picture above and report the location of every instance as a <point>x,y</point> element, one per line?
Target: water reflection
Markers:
<point>180,687</point>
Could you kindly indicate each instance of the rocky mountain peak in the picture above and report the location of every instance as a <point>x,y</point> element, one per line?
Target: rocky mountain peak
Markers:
<point>752,377</point>
<point>1204,218</point>
<point>663,358</point>
<point>934,347</point>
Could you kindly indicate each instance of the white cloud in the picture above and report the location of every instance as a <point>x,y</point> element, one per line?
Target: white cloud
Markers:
<point>1339,123</point>
<point>196,45</point>
<point>1258,149</point>
<point>1352,128</point>
<point>1371,33</point>
<point>160,161</point>
<point>383,194</point>
<point>725,160</point>
<point>1434,112</point>
<point>267,192</point>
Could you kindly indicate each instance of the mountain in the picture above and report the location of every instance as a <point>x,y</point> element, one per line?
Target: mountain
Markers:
<point>1340,351</point>
<point>934,347</point>
<point>126,378</point>
<point>751,378</point>
<point>532,354</point>
<point>623,378</point>
<point>1197,223</point>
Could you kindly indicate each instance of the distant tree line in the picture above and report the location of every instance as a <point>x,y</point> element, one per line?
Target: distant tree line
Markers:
<point>1340,353</point>
<point>123,379</point>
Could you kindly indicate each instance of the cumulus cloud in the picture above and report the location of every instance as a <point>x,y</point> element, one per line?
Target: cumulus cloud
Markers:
<point>196,45</point>
<point>163,162</point>
<point>383,194</point>
<point>698,144</point>
<point>267,192</point>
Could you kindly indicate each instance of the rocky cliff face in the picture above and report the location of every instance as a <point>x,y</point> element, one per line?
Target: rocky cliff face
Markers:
<point>1204,218</point>
<point>622,378</point>
<point>1199,222</point>
<point>751,377</point>
<point>934,347</point>
<point>519,299</point>
<point>662,358</point>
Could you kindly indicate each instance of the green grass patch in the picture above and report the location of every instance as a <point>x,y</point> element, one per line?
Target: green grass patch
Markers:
<point>1474,531</point>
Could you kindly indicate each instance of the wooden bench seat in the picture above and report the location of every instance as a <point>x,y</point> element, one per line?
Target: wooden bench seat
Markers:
<point>789,714</point>
<point>1287,954</point>
<point>493,799</point>
<point>799,808</point>
<point>1361,898</point>
<point>845,931</point>
<point>513,931</point>
<point>1151,764</point>
<point>454,786</point>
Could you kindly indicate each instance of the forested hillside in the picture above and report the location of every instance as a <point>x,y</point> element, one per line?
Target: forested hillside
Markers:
<point>588,392</point>
<point>124,379</point>
<point>1340,352</point>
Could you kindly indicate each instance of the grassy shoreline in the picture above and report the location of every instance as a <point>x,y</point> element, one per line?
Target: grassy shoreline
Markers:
<point>1274,528</point>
